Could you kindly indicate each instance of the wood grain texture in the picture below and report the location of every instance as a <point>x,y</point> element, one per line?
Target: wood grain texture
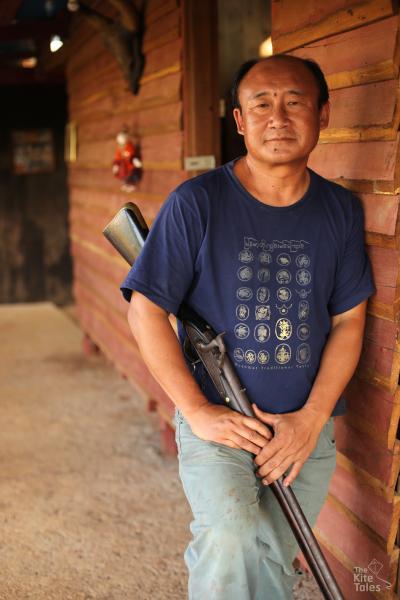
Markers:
<point>356,160</point>
<point>373,410</point>
<point>366,454</point>
<point>353,541</point>
<point>357,56</point>
<point>293,27</point>
<point>381,213</point>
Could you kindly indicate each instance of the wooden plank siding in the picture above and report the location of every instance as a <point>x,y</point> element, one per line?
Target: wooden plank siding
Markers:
<point>356,44</point>
<point>101,104</point>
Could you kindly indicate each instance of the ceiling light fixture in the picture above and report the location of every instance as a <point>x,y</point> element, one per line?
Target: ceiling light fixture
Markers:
<point>56,43</point>
<point>265,48</point>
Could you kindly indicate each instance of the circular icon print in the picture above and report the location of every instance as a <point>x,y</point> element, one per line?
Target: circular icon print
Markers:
<point>283,329</point>
<point>283,354</point>
<point>304,310</point>
<point>263,312</point>
<point>265,258</point>
<point>303,277</point>
<point>262,294</point>
<point>238,354</point>
<point>303,354</point>
<point>262,332</point>
<point>242,312</point>
<point>263,357</point>
<point>283,294</point>
<point>242,331</point>
<point>283,276</point>
<point>303,261</point>
<point>263,275</point>
<point>284,260</point>
<point>245,273</point>
<point>250,357</point>
<point>303,331</point>
<point>246,255</point>
<point>244,293</point>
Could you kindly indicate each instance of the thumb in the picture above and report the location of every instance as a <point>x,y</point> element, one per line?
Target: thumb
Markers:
<point>264,416</point>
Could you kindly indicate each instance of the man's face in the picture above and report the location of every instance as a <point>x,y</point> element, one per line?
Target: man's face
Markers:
<point>279,115</point>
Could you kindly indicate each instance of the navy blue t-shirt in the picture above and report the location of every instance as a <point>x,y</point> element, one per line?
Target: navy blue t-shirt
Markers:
<point>269,277</point>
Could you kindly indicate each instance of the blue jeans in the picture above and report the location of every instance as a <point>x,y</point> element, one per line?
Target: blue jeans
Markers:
<point>242,546</point>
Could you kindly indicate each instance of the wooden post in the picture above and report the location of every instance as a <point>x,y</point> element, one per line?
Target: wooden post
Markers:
<point>200,79</point>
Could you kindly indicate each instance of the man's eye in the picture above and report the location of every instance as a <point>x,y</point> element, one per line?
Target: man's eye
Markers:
<point>293,102</point>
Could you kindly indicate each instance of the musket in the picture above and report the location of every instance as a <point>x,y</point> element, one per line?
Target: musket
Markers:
<point>127,232</point>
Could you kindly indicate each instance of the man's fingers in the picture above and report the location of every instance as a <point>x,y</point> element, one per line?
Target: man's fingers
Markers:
<point>242,442</point>
<point>274,474</point>
<point>252,435</point>
<point>256,425</point>
<point>294,471</point>
<point>269,451</point>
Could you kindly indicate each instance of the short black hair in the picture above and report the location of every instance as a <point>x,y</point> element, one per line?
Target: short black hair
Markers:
<point>310,64</point>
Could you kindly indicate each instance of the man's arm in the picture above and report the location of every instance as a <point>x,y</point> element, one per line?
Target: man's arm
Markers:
<point>163,356</point>
<point>296,433</point>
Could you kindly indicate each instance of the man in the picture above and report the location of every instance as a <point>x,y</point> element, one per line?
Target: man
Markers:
<point>271,253</point>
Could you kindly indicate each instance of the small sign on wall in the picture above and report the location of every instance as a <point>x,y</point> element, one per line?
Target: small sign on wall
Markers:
<point>33,151</point>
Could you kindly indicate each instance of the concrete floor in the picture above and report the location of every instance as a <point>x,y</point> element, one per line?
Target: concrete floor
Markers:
<point>89,508</point>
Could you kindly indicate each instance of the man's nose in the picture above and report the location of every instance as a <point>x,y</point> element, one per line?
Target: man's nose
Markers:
<point>278,115</point>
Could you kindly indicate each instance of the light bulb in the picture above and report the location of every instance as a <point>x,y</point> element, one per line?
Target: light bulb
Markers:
<point>56,43</point>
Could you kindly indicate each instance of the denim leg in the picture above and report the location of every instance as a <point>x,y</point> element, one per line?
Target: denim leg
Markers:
<point>311,489</point>
<point>242,548</point>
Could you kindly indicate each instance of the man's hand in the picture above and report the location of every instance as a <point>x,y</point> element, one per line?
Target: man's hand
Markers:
<point>220,424</point>
<point>296,435</point>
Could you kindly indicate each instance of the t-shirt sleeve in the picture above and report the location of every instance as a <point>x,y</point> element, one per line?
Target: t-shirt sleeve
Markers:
<point>165,267</point>
<point>353,282</point>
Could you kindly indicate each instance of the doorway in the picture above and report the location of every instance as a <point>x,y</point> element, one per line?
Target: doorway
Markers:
<point>243,25</point>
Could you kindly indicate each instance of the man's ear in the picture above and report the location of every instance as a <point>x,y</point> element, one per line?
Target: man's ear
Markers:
<point>324,115</point>
<point>237,115</point>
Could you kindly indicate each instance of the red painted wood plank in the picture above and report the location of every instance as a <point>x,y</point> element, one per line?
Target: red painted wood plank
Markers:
<point>128,361</point>
<point>158,28</point>
<point>97,263</point>
<point>381,331</point>
<point>380,212</point>
<point>363,105</point>
<point>365,453</point>
<point>155,183</point>
<point>372,404</point>
<point>362,47</point>
<point>385,264</point>
<point>287,18</point>
<point>356,160</point>
<point>161,58</point>
<point>162,148</point>
<point>360,498</point>
<point>355,544</point>
<point>159,119</point>
<point>345,579</point>
<point>97,201</point>
<point>378,360</point>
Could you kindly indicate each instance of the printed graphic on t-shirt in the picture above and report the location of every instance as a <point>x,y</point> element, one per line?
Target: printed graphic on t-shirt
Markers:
<point>273,308</point>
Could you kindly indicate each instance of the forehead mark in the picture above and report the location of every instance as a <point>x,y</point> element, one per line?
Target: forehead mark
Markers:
<point>267,93</point>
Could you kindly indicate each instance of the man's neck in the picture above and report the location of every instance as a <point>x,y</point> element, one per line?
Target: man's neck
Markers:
<point>280,185</point>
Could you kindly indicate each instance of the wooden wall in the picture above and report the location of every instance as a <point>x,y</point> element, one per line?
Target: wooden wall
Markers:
<point>356,44</point>
<point>100,104</point>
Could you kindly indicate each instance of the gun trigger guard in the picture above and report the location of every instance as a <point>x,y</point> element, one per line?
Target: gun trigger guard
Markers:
<point>218,344</point>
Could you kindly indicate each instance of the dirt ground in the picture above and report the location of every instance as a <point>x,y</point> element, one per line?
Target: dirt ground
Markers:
<point>89,507</point>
